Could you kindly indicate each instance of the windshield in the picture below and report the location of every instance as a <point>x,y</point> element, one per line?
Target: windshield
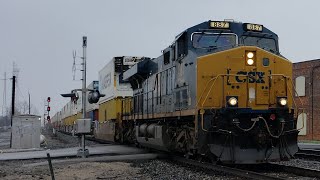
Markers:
<point>207,41</point>
<point>264,43</point>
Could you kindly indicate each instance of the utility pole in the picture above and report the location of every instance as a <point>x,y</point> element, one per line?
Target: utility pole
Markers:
<point>5,98</point>
<point>5,90</point>
<point>13,96</point>
<point>29,102</point>
<point>12,104</point>
<point>4,105</point>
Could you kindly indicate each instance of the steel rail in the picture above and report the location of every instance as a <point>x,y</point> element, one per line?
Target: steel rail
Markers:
<point>309,151</point>
<point>296,170</point>
<point>312,154</point>
<point>225,169</point>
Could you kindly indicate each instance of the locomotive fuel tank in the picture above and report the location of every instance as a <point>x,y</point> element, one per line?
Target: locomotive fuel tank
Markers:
<point>153,136</point>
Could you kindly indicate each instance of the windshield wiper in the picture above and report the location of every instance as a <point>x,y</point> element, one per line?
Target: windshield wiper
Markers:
<point>269,49</point>
<point>249,35</point>
<point>202,34</point>
<point>210,48</point>
<point>260,38</point>
<point>215,41</point>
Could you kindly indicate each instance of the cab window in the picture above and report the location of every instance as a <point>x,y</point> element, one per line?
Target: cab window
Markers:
<point>208,41</point>
<point>264,43</point>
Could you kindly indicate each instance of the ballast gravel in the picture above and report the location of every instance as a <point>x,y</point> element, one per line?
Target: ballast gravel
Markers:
<point>162,169</point>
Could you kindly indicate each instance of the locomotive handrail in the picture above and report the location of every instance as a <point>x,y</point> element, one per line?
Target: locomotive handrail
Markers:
<point>292,95</point>
<point>286,77</point>
<point>296,93</point>
<point>222,75</point>
<point>215,78</point>
<point>205,89</point>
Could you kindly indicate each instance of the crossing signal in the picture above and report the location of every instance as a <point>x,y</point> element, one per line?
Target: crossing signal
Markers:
<point>49,99</point>
<point>94,96</point>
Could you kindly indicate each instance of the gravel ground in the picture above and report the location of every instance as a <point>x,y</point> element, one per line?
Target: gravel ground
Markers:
<point>161,169</point>
<point>151,169</point>
<point>57,141</point>
<point>61,140</point>
<point>270,170</point>
<point>5,138</point>
<point>154,169</point>
<point>302,163</point>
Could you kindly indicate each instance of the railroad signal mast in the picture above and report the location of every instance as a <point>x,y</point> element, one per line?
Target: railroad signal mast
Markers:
<point>83,125</point>
<point>83,152</point>
<point>48,109</point>
<point>46,114</point>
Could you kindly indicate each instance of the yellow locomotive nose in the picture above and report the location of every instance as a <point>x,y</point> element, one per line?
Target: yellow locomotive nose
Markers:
<point>256,77</point>
<point>250,90</point>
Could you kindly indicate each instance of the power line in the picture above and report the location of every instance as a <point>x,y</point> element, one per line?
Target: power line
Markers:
<point>19,91</point>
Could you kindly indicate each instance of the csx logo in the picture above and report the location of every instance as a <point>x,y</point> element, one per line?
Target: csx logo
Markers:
<point>253,77</point>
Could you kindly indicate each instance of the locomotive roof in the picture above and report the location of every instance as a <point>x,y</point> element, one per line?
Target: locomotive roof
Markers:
<point>238,28</point>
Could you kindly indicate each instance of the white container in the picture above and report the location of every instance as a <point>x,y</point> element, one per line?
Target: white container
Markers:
<point>26,131</point>
<point>109,83</point>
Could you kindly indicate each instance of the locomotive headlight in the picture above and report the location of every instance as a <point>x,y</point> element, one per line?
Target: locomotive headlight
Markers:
<point>233,101</point>
<point>250,55</point>
<point>283,101</point>
<point>250,58</point>
<point>250,62</point>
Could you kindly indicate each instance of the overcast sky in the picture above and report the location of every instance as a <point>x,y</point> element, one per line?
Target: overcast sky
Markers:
<point>40,35</point>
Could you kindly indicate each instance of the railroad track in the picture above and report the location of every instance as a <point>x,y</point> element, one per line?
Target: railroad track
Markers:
<point>312,154</point>
<point>263,172</point>
<point>247,174</point>
<point>296,170</point>
<point>258,172</point>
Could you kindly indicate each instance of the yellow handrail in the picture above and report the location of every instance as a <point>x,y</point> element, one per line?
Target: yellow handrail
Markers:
<point>214,79</point>
<point>294,88</point>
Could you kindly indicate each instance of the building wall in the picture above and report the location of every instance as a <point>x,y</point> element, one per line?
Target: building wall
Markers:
<point>310,101</point>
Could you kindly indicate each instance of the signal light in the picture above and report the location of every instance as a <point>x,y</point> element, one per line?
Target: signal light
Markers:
<point>49,99</point>
<point>233,101</point>
<point>283,101</point>
<point>48,108</point>
<point>272,117</point>
<point>94,96</point>
<point>250,58</point>
<point>48,118</point>
<point>250,55</point>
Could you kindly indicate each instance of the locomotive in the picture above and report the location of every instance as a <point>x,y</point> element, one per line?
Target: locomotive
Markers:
<point>221,90</point>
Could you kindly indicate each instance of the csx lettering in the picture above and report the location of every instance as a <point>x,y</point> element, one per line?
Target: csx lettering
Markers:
<point>253,77</point>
